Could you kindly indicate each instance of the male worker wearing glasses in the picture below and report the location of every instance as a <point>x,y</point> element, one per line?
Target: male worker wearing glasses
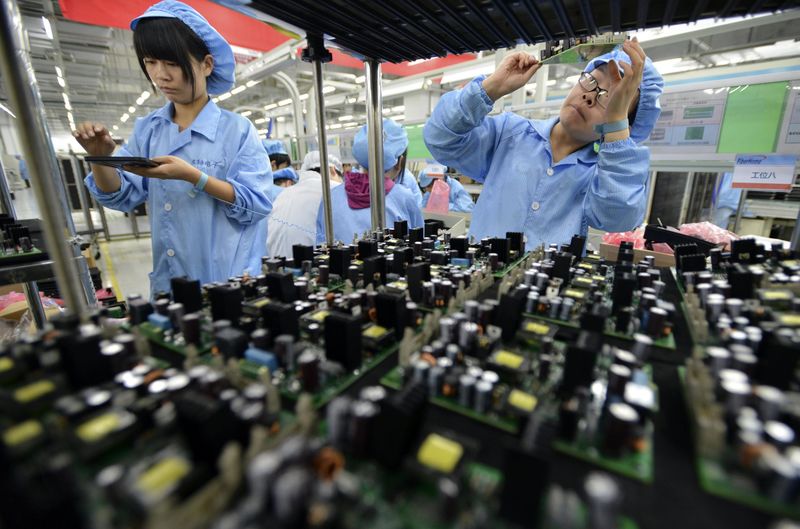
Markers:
<point>552,179</point>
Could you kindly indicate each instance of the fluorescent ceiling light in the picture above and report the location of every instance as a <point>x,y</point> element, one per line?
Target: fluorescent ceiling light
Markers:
<point>251,83</point>
<point>351,124</point>
<point>284,102</point>
<point>281,119</point>
<point>215,100</point>
<point>145,95</point>
<point>303,97</point>
<point>70,117</point>
<point>348,117</point>
<point>131,110</point>
<point>67,104</point>
<point>61,82</point>
<point>360,79</point>
<point>270,106</point>
<point>48,29</point>
<point>7,110</point>
<point>238,90</point>
<point>246,113</point>
<point>259,121</point>
<point>397,88</point>
<point>401,117</point>
<point>335,126</point>
<point>399,108</point>
<point>386,111</point>
<point>124,118</point>
<point>59,72</point>
<point>223,97</point>
<point>328,89</point>
<point>115,127</point>
<point>468,73</point>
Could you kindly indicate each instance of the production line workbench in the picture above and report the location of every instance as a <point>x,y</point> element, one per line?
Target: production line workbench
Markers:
<point>414,379</point>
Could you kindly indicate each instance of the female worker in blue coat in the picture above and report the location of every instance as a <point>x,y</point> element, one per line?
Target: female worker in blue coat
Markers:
<point>351,202</point>
<point>208,196</point>
<point>552,179</point>
<point>459,200</point>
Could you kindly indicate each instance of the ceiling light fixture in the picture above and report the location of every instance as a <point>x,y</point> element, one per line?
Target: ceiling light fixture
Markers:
<point>48,29</point>
<point>284,102</point>
<point>223,97</point>
<point>328,89</point>
<point>238,90</point>
<point>124,118</point>
<point>246,113</point>
<point>131,110</point>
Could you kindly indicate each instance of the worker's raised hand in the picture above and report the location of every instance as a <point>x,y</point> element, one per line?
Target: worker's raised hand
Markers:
<point>623,90</point>
<point>94,138</point>
<point>513,73</point>
<point>169,168</point>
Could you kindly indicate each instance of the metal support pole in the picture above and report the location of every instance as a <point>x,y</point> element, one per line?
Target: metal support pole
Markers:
<point>5,194</point>
<point>35,304</point>
<point>83,195</point>
<point>38,151</point>
<point>739,211</point>
<point>795,242</point>
<point>377,195</point>
<point>317,54</point>
<point>297,107</point>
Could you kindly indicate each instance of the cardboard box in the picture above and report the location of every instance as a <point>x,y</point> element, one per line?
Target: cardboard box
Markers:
<point>663,260</point>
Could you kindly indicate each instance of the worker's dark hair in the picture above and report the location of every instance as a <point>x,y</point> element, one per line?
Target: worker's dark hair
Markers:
<point>168,39</point>
<point>404,157</point>
<point>280,159</point>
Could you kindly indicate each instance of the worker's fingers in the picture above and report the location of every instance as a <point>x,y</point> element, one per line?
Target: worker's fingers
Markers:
<point>613,70</point>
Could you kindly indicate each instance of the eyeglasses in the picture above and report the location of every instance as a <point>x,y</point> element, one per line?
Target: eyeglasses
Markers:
<point>589,83</point>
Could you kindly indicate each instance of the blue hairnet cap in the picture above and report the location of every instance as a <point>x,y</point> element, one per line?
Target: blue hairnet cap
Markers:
<point>428,172</point>
<point>222,76</point>
<point>650,89</point>
<point>285,173</point>
<point>274,147</point>
<point>395,143</point>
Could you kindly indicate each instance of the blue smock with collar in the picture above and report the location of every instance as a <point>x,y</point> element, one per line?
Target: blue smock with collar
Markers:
<point>459,199</point>
<point>348,222</point>
<point>199,237</point>
<point>523,190</point>
<point>409,182</point>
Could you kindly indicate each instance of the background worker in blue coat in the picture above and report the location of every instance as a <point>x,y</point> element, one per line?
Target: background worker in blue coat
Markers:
<point>207,197</point>
<point>351,201</point>
<point>459,199</point>
<point>283,174</point>
<point>550,179</point>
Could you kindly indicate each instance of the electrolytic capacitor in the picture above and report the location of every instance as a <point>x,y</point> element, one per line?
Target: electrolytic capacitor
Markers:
<point>659,287</point>
<point>466,387</point>
<point>447,330</point>
<point>190,328</point>
<point>618,376</point>
<point>770,402</point>
<point>644,279</point>
<point>494,261</point>
<point>625,358</point>
<point>491,377</point>
<point>656,320</point>
<point>531,302</point>
<point>468,336</point>
<point>362,417</point>
<point>546,345</point>
<point>604,498</point>
<point>743,358</point>
<point>545,362</point>
<point>337,416</point>
<point>733,306</point>
<point>734,394</point>
<point>778,434</point>
<point>435,379</point>
<point>308,364</point>
<point>641,346</point>
<point>374,394</point>
<point>568,417</point>
<point>620,423</point>
<point>737,337</point>
<point>703,291</point>
<point>541,280</point>
<point>284,350</point>
<point>453,352</point>
<point>777,477</point>
<point>471,309</point>
<point>114,357</point>
<point>475,372</point>
<point>555,307</point>
<point>566,309</point>
<point>719,358</point>
<point>420,371</point>
<point>715,304</point>
<point>624,317</point>
<point>161,307</point>
<point>483,396</point>
<point>323,276</point>
<point>530,277</point>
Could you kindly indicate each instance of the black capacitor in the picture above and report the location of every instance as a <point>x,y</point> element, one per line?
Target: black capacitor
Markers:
<point>362,420</point>
<point>508,315</point>
<point>82,359</point>
<point>400,229</point>
<point>777,358</point>
<point>622,291</point>
<point>175,311</point>
<point>716,258</point>
<point>656,321</point>
<point>226,302</point>
<point>281,286</point>
<point>367,248</point>
<point>568,417</point>
<point>561,265</point>
<point>401,258</point>
<point>161,307</point>
<point>231,342</point>
<point>300,253</point>
<point>308,365</point>
<point>778,434</point>
<point>545,363</point>
<point>343,339</point>
<point>353,273</point>
<point>113,355</point>
<point>324,275</point>
<point>618,376</point>
<point>284,350</point>
<point>579,363</point>
<point>416,235</point>
<point>260,338</point>
<point>187,292</point>
<point>620,421</point>
<point>128,342</point>
<point>623,320</point>
<point>337,416</point>
<point>432,227</point>
<point>516,242</point>
<point>741,281</point>
<point>190,328</point>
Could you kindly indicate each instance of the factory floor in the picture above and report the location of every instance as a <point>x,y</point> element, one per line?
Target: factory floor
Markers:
<point>124,261</point>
